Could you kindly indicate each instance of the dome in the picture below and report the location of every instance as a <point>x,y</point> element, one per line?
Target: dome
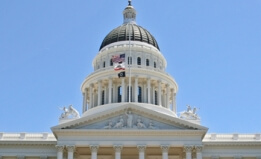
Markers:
<point>135,32</point>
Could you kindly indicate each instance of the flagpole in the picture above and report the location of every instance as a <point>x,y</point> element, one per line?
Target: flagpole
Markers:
<point>130,62</point>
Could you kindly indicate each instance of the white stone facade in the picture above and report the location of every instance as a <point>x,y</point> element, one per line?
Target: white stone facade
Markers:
<point>144,126</point>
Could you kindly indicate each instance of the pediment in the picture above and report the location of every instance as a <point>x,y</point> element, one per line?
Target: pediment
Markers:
<point>129,116</point>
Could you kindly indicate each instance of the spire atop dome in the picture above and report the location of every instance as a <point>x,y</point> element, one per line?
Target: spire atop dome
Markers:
<point>129,14</point>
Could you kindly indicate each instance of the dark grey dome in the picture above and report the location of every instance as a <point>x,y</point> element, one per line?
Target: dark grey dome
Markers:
<point>137,33</point>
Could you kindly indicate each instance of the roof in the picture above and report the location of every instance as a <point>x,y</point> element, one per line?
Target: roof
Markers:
<point>135,32</point>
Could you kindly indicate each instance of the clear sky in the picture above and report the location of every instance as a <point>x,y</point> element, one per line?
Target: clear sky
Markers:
<point>213,50</point>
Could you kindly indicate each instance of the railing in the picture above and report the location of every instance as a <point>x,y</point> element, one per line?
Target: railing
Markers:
<point>27,136</point>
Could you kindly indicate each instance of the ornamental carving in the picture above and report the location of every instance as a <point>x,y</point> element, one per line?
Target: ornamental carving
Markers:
<point>164,148</point>
<point>188,149</point>
<point>59,148</point>
<point>94,148</point>
<point>129,121</point>
<point>198,148</point>
<point>117,148</point>
<point>190,113</point>
<point>141,148</point>
<point>70,148</point>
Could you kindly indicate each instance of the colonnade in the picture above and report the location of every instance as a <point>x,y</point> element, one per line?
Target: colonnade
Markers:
<point>151,91</point>
<point>140,148</point>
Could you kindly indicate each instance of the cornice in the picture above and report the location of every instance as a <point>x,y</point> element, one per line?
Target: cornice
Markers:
<point>29,143</point>
<point>233,143</point>
<point>94,132</point>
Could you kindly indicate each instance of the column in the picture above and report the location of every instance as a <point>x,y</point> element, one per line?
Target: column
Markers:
<point>174,101</point>
<point>99,93</point>
<point>148,86</point>
<point>165,150</point>
<point>188,150</point>
<point>136,89</point>
<point>168,93</point>
<point>153,95</point>
<point>105,94</point>
<point>70,150</point>
<point>122,90</point>
<point>110,86</point>
<point>114,96</point>
<point>159,93</point>
<point>144,94</point>
<point>91,95</point>
<point>59,151</point>
<point>199,151</point>
<point>94,151</point>
<point>117,149</point>
<point>141,149</point>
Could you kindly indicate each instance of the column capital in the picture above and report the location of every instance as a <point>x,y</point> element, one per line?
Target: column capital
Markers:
<point>141,148</point>
<point>188,148</point>
<point>70,148</point>
<point>167,85</point>
<point>149,77</point>
<point>117,148</point>
<point>198,148</point>
<point>159,81</point>
<point>94,148</point>
<point>237,157</point>
<point>164,148</point>
<point>59,148</point>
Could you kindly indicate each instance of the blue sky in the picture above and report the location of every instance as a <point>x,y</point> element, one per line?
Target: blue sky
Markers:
<point>213,50</point>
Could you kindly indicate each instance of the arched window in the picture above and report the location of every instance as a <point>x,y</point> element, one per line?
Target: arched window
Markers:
<point>156,98</point>
<point>119,94</point>
<point>138,61</point>
<point>139,95</point>
<point>129,96</point>
<point>147,62</point>
<point>103,64</point>
<point>111,63</point>
<point>103,97</point>
<point>129,60</point>
<point>155,66</point>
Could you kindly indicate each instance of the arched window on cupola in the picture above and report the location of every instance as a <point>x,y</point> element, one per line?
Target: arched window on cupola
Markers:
<point>155,65</point>
<point>129,60</point>
<point>129,96</point>
<point>103,64</point>
<point>119,94</point>
<point>139,94</point>
<point>147,62</point>
<point>103,97</point>
<point>111,63</point>
<point>138,61</point>
<point>156,98</point>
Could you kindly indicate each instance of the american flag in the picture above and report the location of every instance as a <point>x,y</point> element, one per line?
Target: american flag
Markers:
<point>118,58</point>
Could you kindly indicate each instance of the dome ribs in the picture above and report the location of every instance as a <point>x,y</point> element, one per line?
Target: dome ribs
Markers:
<point>137,33</point>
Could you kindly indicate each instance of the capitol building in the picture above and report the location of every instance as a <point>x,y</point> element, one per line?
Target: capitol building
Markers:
<point>129,111</point>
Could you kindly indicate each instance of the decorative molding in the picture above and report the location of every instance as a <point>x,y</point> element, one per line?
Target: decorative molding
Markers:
<point>59,148</point>
<point>70,148</point>
<point>164,148</point>
<point>141,148</point>
<point>94,148</point>
<point>198,148</point>
<point>188,149</point>
<point>117,148</point>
